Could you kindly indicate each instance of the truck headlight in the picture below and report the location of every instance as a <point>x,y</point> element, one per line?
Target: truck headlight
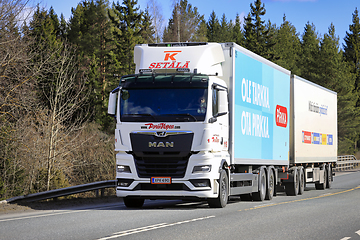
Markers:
<point>202,169</point>
<point>123,169</point>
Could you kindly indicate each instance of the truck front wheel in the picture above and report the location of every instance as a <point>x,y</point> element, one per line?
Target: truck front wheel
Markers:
<point>223,196</point>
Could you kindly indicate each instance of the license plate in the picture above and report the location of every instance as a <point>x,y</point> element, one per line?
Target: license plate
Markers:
<point>161,180</point>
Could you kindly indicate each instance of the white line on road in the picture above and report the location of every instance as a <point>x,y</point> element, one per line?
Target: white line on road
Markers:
<point>358,232</point>
<point>152,227</point>
<point>57,212</point>
<point>345,238</point>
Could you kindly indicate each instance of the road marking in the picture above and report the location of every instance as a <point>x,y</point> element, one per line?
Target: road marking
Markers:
<point>300,200</point>
<point>152,227</point>
<point>56,212</point>
<point>358,232</point>
<point>345,238</point>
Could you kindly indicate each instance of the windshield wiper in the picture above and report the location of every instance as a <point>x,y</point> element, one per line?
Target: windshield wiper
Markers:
<point>185,115</point>
<point>140,115</point>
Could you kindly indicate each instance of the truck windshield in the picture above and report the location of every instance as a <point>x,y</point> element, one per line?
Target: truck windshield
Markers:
<point>163,99</point>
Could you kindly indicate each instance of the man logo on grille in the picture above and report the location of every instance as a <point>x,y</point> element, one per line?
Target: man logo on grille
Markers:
<point>160,134</point>
<point>161,144</point>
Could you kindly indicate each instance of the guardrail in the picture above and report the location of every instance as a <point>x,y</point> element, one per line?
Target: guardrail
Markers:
<point>346,162</point>
<point>64,191</point>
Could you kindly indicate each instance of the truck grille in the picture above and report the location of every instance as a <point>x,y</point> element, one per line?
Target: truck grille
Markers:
<point>161,154</point>
<point>161,166</point>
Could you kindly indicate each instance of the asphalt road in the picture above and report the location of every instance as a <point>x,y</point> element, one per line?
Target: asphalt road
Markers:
<point>317,214</point>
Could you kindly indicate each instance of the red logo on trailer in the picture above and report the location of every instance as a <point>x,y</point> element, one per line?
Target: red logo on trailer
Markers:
<point>306,137</point>
<point>281,116</point>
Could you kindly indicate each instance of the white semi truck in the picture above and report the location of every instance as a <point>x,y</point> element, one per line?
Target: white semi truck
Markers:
<point>212,120</point>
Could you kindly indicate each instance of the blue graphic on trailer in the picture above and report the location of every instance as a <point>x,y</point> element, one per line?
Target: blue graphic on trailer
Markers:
<point>262,110</point>
<point>315,138</point>
<point>330,139</point>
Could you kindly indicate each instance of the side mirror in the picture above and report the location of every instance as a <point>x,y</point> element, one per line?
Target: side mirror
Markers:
<point>112,103</point>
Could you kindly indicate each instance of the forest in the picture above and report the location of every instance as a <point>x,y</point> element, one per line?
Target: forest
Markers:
<point>56,74</point>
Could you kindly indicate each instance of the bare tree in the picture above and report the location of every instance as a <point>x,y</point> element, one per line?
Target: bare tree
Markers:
<point>65,94</point>
<point>43,145</point>
<point>16,93</point>
<point>157,18</point>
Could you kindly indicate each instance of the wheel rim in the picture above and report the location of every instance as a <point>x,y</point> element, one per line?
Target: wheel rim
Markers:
<point>263,185</point>
<point>223,189</point>
<point>296,181</point>
<point>271,184</point>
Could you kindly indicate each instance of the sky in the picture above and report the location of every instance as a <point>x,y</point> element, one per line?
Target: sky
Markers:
<point>298,12</point>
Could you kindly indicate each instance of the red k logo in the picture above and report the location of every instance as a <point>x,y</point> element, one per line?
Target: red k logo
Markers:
<point>170,55</point>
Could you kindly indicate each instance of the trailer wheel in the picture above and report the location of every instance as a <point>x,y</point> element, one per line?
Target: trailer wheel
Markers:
<point>260,195</point>
<point>301,181</point>
<point>270,186</point>
<point>223,196</point>
<point>329,176</point>
<point>322,186</point>
<point>131,202</point>
<point>292,188</point>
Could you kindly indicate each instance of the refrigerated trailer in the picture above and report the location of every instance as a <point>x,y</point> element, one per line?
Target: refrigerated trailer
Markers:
<point>212,120</point>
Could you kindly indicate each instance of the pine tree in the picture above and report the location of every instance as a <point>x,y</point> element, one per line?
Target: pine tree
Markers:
<point>237,33</point>
<point>334,73</point>
<point>310,53</point>
<point>213,28</point>
<point>89,32</point>
<point>185,24</point>
<point>271,32</point>
<point>249,33</point>
<point>147,30</point>
<point>44,28</point>
<point>225,32</point>
<point>126,20</point>
<point>201,32</point>
<point>63,27</point>
<point>288,48</point>
<point>352,49</point>
<point>256,34</point>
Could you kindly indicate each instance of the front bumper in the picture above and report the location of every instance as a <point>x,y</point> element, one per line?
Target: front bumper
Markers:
<point>177,189</point>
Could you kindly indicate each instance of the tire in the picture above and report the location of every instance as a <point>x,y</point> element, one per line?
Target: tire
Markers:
<point>131,202</point>
<point>329,176</point>
<point>260,194</point>
<point>301,181</point>
<point>322,186</point>
<point>270,185</point>
<point>223,195</point>
<point>292,188</point>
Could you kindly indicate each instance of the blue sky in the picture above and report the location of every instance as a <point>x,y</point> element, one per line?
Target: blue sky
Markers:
<point>319,12</point>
